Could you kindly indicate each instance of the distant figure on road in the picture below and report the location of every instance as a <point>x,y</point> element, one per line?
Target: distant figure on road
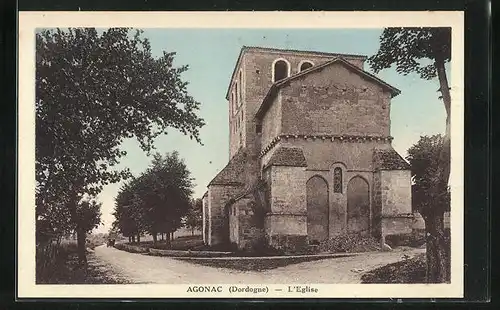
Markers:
<point>111,242</point>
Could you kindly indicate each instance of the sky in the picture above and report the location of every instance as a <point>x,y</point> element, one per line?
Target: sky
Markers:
<point>211,55</point>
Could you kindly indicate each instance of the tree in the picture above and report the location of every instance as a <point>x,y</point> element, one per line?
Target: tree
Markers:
<point>411,49</point>
<point>93,90</point>
<point>54,222</point>
<point>157,199</point>
<point>87,217</point>
<point>129,219</point>
<point>194,216</point>
<point>427,196</point>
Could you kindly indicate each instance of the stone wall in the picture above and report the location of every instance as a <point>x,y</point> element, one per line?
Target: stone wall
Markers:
<point>377,205</point>
<point>306,113</point>
<point>205,218</point>
<point>419,223</point>
<point>218,197</point>
<point>237,131</point>
<point>233,225</point>
<point>335,101</point>
<point>238,113</point>
<point>395,225</point>
<point>396,192</point>
<point>288,191</point>
<point>271,122</point>
<point>337,201</point>
<point>395,196</point>
<point>318,208</point>
<point>256,67</point>
<point>288,214</point>
<point>286,224</point>
<point>323,156</point>
<point>246,224</point>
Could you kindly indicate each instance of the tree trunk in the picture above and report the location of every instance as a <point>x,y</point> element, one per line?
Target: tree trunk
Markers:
<point>444,158</point>
<point>81,237</point>
<point>192,231</point>
<point>437,258</point>
<point>168,243</point>
<point>155,238</point>
<point>437,253</point>
<point>138,238</point>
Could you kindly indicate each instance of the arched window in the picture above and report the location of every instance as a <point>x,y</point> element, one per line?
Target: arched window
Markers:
<point>237,94</point>
<point>233,105</point>
<point>240,94</point>
<point>305,65</point>
<point>337,180</point>
<point>280,70</point>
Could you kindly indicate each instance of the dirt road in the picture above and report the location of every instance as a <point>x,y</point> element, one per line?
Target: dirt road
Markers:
<point>140,268</point>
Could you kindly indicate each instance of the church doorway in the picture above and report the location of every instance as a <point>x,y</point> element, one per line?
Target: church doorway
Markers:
<point>358,206</point>
<point>317,209</point>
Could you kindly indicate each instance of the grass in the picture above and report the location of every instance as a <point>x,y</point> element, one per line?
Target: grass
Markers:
<point>407,271</point>
<point>251,264</point>
<point>65,269</point>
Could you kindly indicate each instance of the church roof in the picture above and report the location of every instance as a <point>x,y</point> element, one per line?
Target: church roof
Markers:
<point>277,50</point>
<point>389,159</point>
<point>287,156</point>
<point>233,172</point>
<point>276,86</point>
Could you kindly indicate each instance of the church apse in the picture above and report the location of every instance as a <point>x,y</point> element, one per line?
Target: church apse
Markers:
<point>312,126</point>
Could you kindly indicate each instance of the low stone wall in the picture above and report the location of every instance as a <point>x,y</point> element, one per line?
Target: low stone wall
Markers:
<point>280,257</point>
<point>397,224</point>
<point>173,253</point>
<point>177,253</point>
<point>419,223</point>
<point>131,248</point>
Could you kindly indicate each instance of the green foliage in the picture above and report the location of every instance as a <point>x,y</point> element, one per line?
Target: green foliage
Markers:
<point>155,201</point>
<point>411,48</point>
<point>425,51</point>
<point>407,271</point>
<point>93,90</point>
<point>128,214</point>
<point>53,222</point>
<point>57,221</point>
<point>88,215</point>
<point>430,193</point>
<point>194,216</point>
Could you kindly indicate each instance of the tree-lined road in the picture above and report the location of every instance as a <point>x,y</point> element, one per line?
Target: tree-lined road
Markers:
<point>139,268</point>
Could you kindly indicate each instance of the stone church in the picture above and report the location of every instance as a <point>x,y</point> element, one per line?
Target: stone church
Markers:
<point>310,154</point>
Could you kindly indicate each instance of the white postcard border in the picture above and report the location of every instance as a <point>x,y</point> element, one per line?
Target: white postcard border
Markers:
<point>29,21</point>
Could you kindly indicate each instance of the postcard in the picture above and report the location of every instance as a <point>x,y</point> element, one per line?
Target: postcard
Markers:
<point>240,155</point>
